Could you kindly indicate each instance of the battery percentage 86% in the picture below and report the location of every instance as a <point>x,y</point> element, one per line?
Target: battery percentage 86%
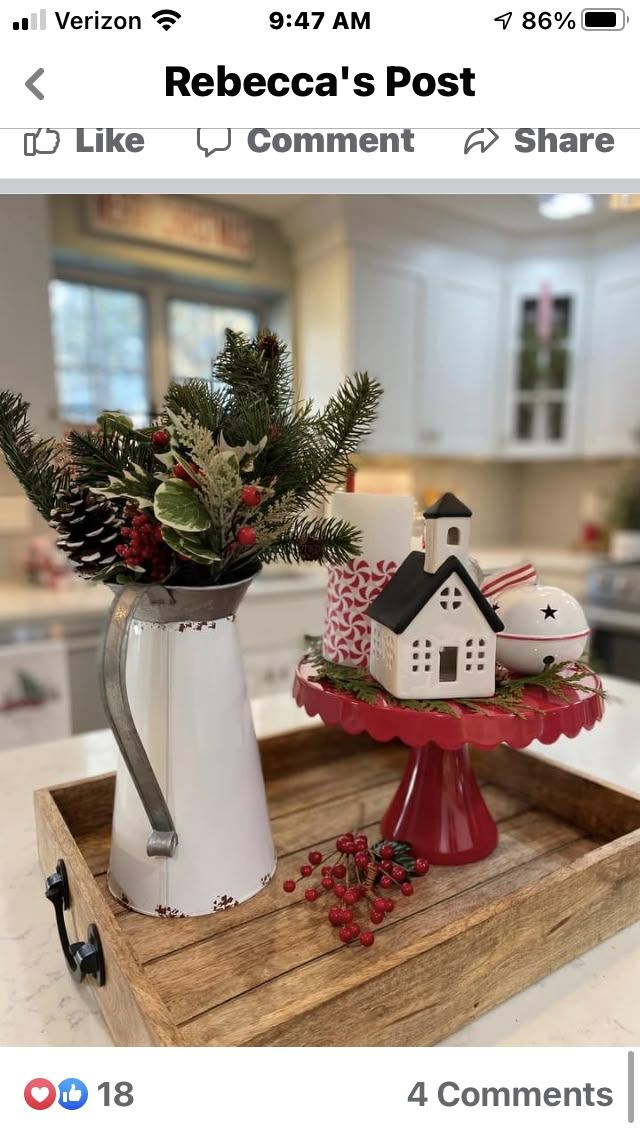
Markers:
<point>546,20</point>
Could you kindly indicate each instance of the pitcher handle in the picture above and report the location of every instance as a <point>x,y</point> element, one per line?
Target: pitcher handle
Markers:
<point>163,839</point>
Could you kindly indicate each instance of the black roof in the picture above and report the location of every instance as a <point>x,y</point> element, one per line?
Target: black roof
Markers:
<point>448,506</point>
<point>411,588</point>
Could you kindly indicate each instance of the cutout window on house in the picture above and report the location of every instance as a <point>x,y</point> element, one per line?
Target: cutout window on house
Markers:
<point>458,599</point>
<point>448,664</point>
<point>453,535</point>
<point>100,350</point>
<point>444,599</point>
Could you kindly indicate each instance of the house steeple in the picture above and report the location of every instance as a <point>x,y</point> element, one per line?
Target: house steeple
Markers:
<point>447,526</point>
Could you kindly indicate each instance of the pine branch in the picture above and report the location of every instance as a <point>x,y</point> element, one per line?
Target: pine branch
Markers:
<point>259,368</point>
<point>97,456</point>
<point>198,398</point>
<point>322,540</point>
<point>510,694</point>
<point>345,422</point>
<point>38,463</point>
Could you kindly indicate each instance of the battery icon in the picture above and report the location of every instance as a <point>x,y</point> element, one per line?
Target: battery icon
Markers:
<point>603,19</point>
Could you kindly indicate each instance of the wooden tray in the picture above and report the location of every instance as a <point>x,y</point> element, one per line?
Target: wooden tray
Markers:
<point>565,875</point>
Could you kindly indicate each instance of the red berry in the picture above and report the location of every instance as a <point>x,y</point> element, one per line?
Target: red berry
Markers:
<point>422,866</point>
<point>327,883</point>
<point>335,916</point>
<point>354,929</point>
<point>361,843</point>
<point>311,894</point>
<point>406,888</point>
<point>380,904</point>
<point>386,852</point>
<point>246,536</point>
<point>386,865</point>
<point>340,843</point>
<point>339,890</point>
<point>160,438</point>
<point>386,882</point>
<point>306,870</point>
<point>347,914</point>
<point>338,871</point>
<point>352,895</point>
<point>251,497</point>
<point>377,916</point>
<point>350,847</point>
<point>289,885</point>
<point>314,857</point>
<point>326,869</point>
<point>345,934</point>
<point>367,938</point>
<point>389,904</point>
<point>398,873</point>
<point>361,859</point>
<point>183,475</point>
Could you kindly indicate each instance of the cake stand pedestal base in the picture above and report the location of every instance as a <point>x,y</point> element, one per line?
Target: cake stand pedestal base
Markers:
<point>439,809</point>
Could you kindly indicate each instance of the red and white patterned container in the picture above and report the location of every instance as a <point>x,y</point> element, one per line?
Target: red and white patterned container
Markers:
<point>386,525</point>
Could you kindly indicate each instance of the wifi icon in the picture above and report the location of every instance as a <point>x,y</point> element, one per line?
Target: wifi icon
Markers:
<point>166,17</point>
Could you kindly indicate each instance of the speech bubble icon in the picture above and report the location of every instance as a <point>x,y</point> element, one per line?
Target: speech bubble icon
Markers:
<point>213,140</point>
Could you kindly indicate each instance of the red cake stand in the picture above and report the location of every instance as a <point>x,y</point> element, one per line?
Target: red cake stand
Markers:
<point>438,807</point>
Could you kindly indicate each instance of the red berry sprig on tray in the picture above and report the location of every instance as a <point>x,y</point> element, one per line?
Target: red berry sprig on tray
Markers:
<point>360,878</point>
<point>141,546</point>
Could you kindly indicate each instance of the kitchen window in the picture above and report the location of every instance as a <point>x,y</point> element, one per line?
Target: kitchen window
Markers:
<point>119,346</point>
<point>196,335</point>
<point>100,345</point>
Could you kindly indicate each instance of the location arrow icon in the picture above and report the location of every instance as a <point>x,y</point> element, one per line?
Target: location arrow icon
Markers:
<point>31,83</point>
<point>482,139</point>
<point>504,20</point>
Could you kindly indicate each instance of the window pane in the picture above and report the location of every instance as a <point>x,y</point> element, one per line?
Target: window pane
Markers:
<point>196,335</point>
<point>100,346</point>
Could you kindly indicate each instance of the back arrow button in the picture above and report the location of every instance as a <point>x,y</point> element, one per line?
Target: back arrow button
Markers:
<point>31,83</point>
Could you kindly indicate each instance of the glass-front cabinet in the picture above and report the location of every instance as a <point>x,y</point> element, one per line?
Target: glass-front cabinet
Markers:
<point>541,394</point>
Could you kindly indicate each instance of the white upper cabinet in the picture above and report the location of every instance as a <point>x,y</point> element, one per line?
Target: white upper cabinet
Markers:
<point>431,337</point>
<point>458,392</point>
<point>612,394</point>
<point>386,339</point>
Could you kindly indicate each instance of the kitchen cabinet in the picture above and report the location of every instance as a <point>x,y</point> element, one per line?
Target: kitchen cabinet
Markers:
<point>612,393</point>
<point>457,408</point>
<point>386,341</point>
<point>432,340</point>
<point>543,386</point>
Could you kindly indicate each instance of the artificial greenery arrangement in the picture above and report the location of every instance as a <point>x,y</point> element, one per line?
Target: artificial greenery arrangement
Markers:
<point>510,695</point>
<point>221,484</point>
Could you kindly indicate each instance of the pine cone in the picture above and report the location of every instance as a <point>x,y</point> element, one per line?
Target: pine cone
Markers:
<point>311,549</point>
<point>269,347</point>
<point>89,529</point>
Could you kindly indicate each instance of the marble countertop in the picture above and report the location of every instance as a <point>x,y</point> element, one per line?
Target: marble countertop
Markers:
<point>593,1001</point>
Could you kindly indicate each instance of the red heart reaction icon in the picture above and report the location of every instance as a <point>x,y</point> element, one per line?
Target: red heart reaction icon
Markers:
<point>40,1093</point>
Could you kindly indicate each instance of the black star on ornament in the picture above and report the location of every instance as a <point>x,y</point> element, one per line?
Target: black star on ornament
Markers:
<point>549,612</point>
<point>495,606</point>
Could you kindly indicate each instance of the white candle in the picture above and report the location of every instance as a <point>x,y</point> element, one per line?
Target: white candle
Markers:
<point>385,523</point>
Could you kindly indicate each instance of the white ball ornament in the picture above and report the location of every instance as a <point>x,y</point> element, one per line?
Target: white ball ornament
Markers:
<point>542,626</point>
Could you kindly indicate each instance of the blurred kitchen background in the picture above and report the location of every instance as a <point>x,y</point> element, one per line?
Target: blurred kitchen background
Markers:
<point>505,330</point>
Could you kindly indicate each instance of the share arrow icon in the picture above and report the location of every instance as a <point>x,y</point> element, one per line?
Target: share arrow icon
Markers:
<point>504,20</point>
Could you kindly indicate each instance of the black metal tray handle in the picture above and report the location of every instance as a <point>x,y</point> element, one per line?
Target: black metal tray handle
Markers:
<point>82,959</point>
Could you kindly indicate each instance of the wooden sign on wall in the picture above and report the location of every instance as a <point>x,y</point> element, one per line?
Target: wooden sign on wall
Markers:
<point>175,222</point>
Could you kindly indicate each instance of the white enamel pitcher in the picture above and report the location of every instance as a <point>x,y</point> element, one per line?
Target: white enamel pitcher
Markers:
<point>191,830</point>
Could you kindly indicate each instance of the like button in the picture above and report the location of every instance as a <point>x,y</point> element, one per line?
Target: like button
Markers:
<point>73,1093</point>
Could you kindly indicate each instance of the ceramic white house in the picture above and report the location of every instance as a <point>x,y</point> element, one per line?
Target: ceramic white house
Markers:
<point>433,633</point>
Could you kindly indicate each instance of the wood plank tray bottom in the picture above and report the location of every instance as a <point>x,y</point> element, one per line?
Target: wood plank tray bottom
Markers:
<point>565,875</point>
